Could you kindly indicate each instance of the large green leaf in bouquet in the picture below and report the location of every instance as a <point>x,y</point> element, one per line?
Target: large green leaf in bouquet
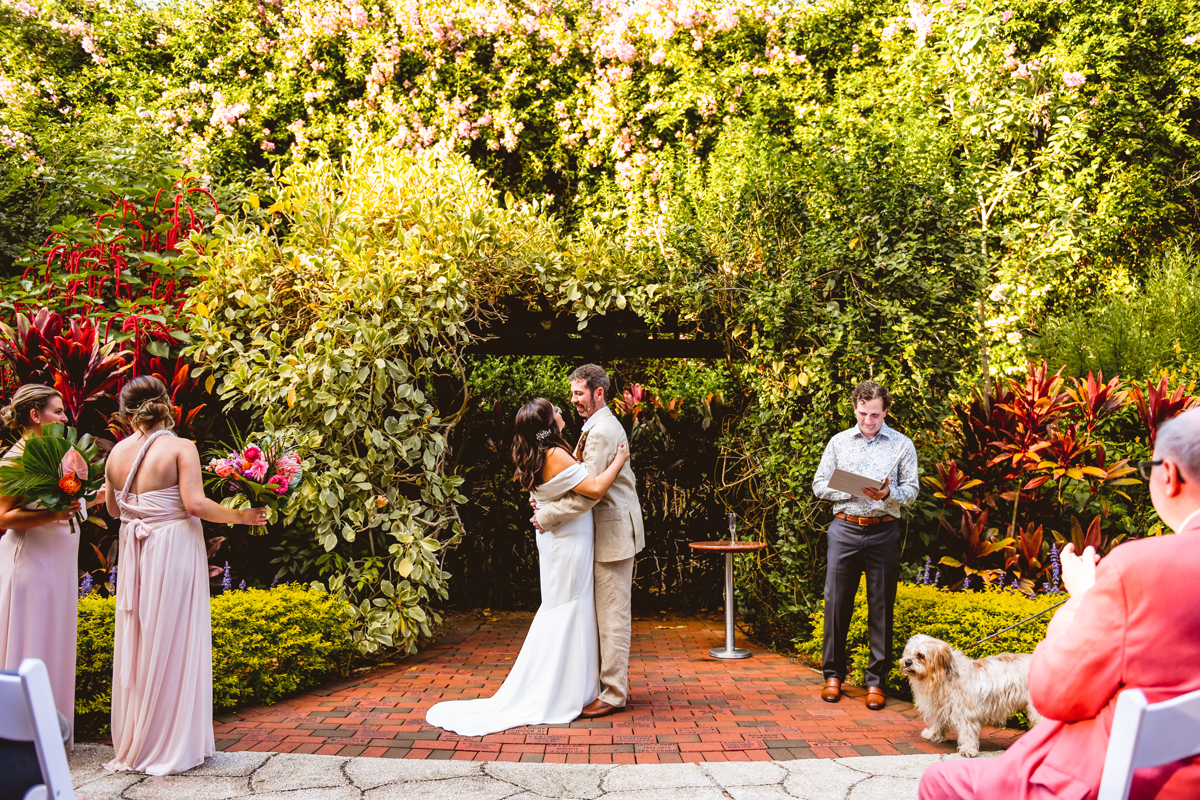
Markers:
<point>38,472</point>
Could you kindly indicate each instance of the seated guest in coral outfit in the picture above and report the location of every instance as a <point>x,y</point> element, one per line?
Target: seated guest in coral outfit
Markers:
<point>1131,622</point>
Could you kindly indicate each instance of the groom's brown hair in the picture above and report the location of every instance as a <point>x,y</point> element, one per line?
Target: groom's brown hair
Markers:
<point>595,376</point>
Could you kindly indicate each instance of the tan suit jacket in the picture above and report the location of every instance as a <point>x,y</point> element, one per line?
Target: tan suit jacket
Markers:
<point>618,515</point>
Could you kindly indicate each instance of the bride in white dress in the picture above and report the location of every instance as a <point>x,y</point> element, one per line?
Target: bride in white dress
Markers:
<point>557,671</point>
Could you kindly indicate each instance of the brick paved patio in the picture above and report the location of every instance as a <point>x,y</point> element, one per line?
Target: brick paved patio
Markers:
<point>684,706</point>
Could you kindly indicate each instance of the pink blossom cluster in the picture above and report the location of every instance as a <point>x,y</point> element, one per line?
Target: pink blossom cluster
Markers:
<point>227,117</point>
<point>21,142</point>
<point>252,464</point>
<point>86,34</point>
<point>1026,69</point>
<point>920,20</point>
<point>1073,80</point>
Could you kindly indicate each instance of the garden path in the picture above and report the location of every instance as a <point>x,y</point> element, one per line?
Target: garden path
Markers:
<point>684,706</point>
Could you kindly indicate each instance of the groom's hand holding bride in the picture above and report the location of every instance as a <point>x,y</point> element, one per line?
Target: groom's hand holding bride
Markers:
<point>621,456</point>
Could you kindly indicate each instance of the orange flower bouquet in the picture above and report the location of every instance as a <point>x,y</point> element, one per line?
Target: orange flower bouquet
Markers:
<point>55,469</point>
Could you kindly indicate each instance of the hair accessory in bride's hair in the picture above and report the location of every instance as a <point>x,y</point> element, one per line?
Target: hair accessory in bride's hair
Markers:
<point>541,435</point>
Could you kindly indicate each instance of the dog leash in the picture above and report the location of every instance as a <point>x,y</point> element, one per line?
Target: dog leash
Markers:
<point>1015,625</point>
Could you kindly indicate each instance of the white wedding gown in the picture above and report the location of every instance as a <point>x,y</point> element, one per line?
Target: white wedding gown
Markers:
<point>557,671</point>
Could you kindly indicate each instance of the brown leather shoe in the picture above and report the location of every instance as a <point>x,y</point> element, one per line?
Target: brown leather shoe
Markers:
<point>875,698</point>
<point>598,708</point>
<point>832,691</point>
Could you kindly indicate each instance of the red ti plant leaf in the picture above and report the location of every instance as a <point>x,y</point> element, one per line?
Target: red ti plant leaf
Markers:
<point>1096,399</point>
<point>950,483</point>
<point>1064,454</point>
<point>1094,537</point>
<point>22,348</point>
<point>1034,407</point>
<point>633,401</point>
<point>83,370</point>
<point>971,544</point>
<point>1156,407</point>
<point>1025,555</point>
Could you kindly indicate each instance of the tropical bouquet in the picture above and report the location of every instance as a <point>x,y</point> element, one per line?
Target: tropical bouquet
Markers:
<point>55,468</point>
<point>265,471</point>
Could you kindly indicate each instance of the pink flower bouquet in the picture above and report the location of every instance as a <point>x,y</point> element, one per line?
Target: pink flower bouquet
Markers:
<point>264,473</point>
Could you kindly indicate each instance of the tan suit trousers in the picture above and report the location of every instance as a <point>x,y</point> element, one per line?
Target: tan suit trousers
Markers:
<point>614,620</point>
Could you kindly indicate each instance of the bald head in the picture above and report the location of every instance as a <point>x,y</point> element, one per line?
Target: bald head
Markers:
<point>1178,440</point>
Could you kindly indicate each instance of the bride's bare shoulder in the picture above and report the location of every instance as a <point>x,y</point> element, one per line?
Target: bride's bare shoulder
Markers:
<point>557,460</point>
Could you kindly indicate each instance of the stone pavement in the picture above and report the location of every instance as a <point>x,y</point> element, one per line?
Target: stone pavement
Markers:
<point>268,776</point>
<point>685,706</point>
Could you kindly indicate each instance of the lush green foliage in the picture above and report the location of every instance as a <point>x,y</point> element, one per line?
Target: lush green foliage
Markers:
<point>825,266</point>
<point>1152,327</point>
<point>839,190</point>
<point>345,330</point>
<point>267,644</point>
<point>960,618</point>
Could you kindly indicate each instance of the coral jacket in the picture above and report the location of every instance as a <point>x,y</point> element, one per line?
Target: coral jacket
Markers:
<point>1137,627</point>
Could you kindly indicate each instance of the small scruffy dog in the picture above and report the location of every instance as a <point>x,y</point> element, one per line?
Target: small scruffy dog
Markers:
<point>956,693</point>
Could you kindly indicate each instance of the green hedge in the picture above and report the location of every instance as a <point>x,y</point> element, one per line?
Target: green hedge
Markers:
<point>267,643</point>
<point>959,618</point>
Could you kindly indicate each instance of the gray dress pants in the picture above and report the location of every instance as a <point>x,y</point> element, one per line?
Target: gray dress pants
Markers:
<point>853,550</point>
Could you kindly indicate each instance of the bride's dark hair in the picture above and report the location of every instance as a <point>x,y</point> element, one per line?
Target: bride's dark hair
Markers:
<point>534,433</point>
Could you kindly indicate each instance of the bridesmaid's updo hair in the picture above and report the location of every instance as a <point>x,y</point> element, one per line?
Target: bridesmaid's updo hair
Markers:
<point>535,432</point>
<point>29,398</point>
<point>145,403</point>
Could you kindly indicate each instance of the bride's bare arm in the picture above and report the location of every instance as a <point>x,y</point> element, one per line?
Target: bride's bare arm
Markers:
<point>191,490</point>
<point>595,486</point>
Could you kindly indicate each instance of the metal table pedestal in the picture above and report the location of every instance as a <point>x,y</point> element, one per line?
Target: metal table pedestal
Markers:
<point>728,549</point>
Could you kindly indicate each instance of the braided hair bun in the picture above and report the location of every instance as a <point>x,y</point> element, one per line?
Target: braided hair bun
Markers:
<point>145,403</point>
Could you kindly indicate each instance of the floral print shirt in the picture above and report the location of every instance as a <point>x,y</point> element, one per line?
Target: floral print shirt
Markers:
<point>889,455</point>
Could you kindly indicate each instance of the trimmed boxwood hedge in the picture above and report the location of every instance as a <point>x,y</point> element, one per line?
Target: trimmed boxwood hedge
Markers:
<point>267,644</point>
<point>960,618</point>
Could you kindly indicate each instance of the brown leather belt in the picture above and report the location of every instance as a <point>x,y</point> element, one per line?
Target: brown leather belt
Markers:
<point>866,521</point>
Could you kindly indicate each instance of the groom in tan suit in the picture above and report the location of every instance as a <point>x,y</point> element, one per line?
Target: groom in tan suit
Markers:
<point>619,534</point>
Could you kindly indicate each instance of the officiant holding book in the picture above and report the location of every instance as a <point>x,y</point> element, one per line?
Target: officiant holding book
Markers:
<point>865,534</point>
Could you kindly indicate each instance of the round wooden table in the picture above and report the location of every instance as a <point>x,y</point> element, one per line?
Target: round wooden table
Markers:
<point>728,548</point>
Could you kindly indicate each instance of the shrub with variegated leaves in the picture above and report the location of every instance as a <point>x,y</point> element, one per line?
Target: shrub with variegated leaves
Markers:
<point>345,331</point>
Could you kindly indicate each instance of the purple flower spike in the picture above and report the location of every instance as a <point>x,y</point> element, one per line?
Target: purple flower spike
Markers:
<point>85,586</point>
<point>227,581</point>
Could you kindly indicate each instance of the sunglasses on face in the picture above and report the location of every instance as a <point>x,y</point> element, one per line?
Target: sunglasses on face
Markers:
<point>1145,468</point>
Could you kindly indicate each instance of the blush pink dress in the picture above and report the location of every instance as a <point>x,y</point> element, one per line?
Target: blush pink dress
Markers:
<point>162,665</point>
<point>39,605</point>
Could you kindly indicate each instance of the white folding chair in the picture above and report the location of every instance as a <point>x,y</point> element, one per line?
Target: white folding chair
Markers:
<point>1148,735</point>
<point>33,761</point>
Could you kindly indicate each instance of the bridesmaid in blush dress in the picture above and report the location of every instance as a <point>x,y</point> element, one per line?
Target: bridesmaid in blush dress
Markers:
<point>162,663</point>
<point>39,566</point>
